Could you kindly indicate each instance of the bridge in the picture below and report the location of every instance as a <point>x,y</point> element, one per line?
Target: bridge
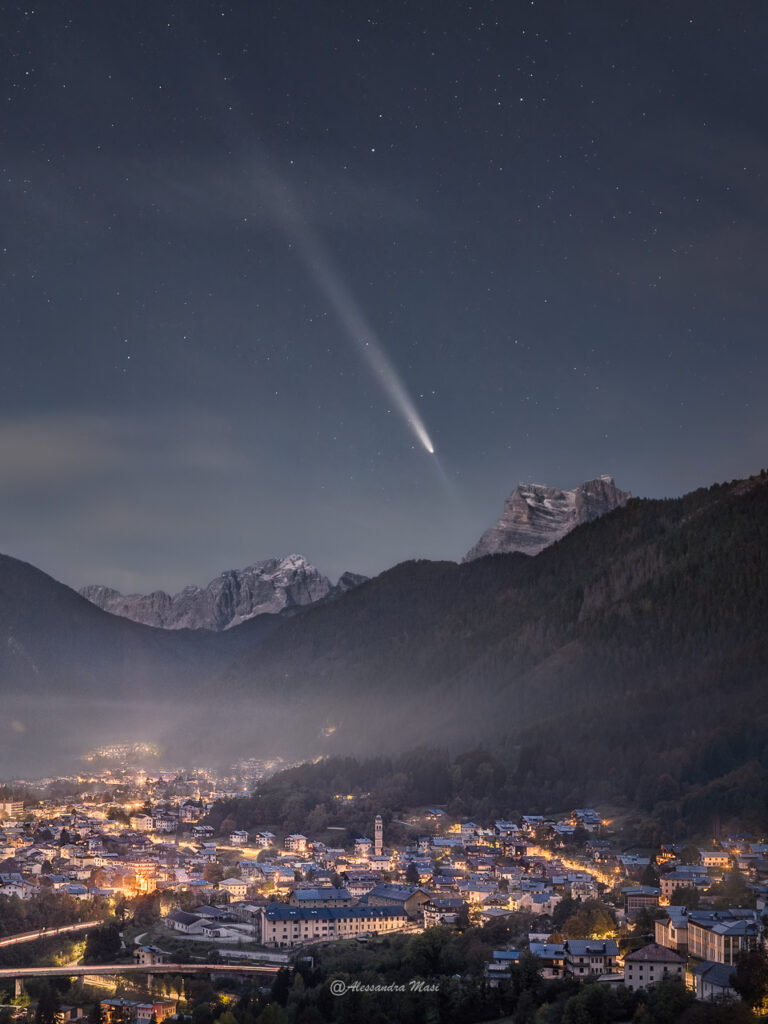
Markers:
<point>18,974</point>
<point>47,933</point>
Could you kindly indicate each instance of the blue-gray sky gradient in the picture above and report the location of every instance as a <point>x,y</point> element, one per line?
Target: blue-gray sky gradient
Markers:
<point>552,216</point>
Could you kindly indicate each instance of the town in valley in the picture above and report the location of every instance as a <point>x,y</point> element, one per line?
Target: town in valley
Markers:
<point>125,897</point>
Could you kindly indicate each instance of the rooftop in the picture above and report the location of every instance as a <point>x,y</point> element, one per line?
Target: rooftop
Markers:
<point>654,953</point>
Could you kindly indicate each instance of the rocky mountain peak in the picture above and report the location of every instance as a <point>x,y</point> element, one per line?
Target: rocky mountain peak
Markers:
<point>537,515</point>
<point>270,586</point>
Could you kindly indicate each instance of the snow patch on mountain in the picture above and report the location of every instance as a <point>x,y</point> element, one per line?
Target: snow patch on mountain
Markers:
<point>536,515</point>
<point>235,596</point>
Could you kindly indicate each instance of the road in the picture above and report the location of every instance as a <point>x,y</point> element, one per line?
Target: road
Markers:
<point>122,969</point>
<point>46,933</point>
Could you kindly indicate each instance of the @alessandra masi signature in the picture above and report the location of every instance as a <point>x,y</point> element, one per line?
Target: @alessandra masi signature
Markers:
<point>340,987</point>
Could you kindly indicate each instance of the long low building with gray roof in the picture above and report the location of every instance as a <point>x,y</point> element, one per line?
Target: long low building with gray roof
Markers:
<point>285,926</point>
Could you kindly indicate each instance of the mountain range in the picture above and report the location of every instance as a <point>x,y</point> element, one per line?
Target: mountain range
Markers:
<point>234,597</point>
<point>534,517</point>
<point>643,629</point>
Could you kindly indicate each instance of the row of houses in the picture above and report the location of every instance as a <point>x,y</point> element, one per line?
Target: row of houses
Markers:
<point>586,959</point>
<point>591,960</point>
<point>127,1011</point>
<point>699,947</point>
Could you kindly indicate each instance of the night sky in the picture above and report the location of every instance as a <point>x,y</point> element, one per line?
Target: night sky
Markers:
<point>237,239</point>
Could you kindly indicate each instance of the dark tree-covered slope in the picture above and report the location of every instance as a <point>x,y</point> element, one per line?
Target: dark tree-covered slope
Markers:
<point>635,647</point>
<point>52,641</point>
<point>630,658</point>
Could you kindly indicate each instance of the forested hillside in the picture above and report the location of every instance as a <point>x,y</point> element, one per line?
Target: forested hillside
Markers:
<point>645,630</point>
<point>628,661</point>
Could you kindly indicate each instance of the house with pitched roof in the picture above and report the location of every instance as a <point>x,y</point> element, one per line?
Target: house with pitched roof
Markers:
<point>552,956</point>
<point>409,897</point>
<point>711,982</point>
<point>586,958</point>
<point>652,964</point>
<point>500,968</point>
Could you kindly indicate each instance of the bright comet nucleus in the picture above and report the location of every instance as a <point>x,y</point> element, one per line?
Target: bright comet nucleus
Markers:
<point>319,264</point>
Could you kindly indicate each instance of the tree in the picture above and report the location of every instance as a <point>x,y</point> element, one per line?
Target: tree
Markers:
<point>650,875</point>
<point>730,1011</point>
<point>667,1001</point>
<point>272,1014</point>
<point>526,1008</point>
<point>564,909</point>
<point>462,917</point>
<point>102,944</point>
<point>750,979</point>
<point>733,891</point>
<point>22,1000</point>
<point>309,1015</point>
<point>146,909</point>
<point>213,872</point>
<point>645,921</point>
<point>47,1005</point>
<point>426,952</point>
<point>687,896</point>
<point>121,909</point>
<point>591,919</point>
<point>281,988</point>
<point>412,874</point>
<point>202,1014</point>
<point>690,855</point>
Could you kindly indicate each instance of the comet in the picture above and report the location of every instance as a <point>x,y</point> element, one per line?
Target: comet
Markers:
<point>320,267</point>
<point>362,334</point>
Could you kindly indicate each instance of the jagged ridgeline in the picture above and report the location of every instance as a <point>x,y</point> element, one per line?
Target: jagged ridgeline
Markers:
<point>629,659</point>
<point>236,596</point>
<point>536,516</point>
